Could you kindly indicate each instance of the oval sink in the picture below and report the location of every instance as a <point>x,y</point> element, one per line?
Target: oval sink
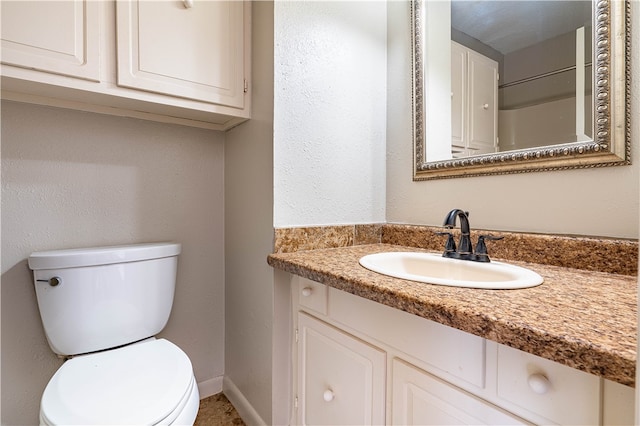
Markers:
<point>435,269</point>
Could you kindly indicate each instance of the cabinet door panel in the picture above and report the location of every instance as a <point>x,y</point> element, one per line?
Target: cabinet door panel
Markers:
<point>195,53</point>
<point>483,103</point>
<point>422,399</point>
<point>458,94</point>
<point>341,379</point>
<point>60,37</point>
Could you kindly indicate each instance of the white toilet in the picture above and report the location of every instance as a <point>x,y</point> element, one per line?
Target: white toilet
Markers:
<point>102,307</point>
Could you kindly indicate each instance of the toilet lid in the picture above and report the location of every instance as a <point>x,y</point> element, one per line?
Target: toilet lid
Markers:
<point>145,381</point>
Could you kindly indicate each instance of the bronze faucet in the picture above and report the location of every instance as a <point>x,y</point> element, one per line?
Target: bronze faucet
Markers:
<point>464,249</point>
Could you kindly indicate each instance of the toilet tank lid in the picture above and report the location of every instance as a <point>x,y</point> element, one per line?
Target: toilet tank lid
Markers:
<point>93,256</point>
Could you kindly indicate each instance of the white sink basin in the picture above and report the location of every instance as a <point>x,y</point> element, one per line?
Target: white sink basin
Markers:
<point>435,269</point>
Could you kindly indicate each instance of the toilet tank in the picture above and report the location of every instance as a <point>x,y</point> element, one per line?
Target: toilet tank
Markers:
<point>99,298</point>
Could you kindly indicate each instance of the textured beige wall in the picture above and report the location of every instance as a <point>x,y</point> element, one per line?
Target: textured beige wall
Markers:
<point>74,179</point>
<point>330,110</point>
<point>249,236</point>
<point>598,202</point>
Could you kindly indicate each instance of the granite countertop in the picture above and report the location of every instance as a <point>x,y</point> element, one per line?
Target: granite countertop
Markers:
<point>582,319</point>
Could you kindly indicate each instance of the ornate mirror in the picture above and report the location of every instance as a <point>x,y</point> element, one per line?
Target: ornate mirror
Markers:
<point>519,86</point>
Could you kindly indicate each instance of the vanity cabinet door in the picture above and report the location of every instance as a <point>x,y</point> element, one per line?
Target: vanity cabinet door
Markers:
<point>341,380</point>
<point>419,398</point>
<point>60,37</point>
<point>192,49</point>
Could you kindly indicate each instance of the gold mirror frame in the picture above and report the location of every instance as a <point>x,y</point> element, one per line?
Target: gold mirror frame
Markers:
<point>612,143</point>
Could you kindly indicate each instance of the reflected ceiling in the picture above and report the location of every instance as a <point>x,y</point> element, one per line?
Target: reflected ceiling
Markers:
<point>508,26</point>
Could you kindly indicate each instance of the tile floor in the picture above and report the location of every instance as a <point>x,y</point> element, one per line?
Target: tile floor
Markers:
<point>216,410</point>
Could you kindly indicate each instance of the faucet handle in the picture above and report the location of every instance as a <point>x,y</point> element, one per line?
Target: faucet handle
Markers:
<point>450,245</point>
<point>481,248</point>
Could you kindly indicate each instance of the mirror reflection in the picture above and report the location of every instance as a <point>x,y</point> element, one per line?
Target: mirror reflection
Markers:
<point>518,75</point>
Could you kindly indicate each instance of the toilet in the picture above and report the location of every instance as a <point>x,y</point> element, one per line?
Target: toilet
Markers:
<point>101,308</point>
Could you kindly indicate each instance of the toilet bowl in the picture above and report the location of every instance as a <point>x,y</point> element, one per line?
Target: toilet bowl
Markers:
<point>101,308</point>
<point>148,383</point>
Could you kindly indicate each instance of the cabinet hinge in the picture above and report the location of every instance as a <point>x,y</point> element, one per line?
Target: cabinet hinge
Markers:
<point>497,77</point>
<point>295,402</point>
<point>296,335</point>
<point>246,86</point>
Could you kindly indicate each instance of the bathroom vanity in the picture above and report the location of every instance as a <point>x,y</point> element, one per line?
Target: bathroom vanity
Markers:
<point>372,349</point>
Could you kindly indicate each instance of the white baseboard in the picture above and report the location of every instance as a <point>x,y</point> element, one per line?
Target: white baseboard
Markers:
<point>245,409</point>
<point>210,387</point>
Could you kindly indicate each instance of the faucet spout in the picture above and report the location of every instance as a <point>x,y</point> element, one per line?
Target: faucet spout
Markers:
<point>464,247</point>
<point>450,220</point>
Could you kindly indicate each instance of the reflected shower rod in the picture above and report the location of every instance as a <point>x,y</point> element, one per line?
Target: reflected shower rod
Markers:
<point>536,77</point>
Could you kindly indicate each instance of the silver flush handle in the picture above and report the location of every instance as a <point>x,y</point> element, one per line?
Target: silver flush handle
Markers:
<point>53,282</point>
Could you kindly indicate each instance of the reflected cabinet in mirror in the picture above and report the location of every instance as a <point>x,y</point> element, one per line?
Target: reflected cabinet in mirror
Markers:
<point>515,86</point>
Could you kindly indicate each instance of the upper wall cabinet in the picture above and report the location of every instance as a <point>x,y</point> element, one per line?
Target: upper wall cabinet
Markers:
<point>56,37</point>
<point>184,62</point>
<point>191,49</point>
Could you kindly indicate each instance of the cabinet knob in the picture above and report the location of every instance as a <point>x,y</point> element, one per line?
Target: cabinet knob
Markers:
<point>306,292</point>
<point>485,106</point>
<point>539,383</point>
<point>328,395</point>
<point>188,4</point>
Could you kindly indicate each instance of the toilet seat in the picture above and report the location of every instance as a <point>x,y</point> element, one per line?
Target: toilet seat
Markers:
<point>146,383</point>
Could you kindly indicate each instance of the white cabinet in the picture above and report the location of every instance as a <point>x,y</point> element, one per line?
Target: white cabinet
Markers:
<point>474,102</point>
<point>341,378</point>
<point>361,362</point>
<point>55,37</point>
<point>420,398</point>
<point>193,51</point>
<point>457,356</point>
<point>173,61</point>
<point>312,295</point>
<point>546,388</point>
